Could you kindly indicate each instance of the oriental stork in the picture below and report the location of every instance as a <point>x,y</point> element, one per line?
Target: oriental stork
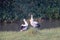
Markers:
<point>24,26</point>
<point>33,23</point>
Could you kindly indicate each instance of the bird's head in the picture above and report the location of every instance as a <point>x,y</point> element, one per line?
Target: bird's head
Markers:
<point>24,20</point>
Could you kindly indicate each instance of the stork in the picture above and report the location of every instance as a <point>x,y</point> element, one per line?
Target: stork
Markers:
<point>24,26</point>
<point>33,23</point>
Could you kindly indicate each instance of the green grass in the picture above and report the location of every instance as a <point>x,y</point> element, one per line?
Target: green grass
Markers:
<point>32,34</point>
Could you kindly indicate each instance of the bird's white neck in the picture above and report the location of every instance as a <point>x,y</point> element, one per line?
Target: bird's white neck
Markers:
<point>25,22</point>
<point>32,18</point>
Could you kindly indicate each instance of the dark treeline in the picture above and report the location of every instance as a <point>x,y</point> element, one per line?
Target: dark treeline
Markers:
<point>18,9</point>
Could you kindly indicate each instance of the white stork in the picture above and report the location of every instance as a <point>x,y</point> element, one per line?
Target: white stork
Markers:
<point>24,26</point>
<point>33,23</point>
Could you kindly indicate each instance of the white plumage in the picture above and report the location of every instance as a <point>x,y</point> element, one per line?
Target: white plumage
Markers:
<point>24,26</point>
<point>33,23</point>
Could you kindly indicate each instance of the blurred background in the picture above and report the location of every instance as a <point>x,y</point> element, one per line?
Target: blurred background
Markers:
<point>47,12</point>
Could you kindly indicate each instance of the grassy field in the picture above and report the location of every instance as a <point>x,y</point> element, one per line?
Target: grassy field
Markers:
<point>31,34</point>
